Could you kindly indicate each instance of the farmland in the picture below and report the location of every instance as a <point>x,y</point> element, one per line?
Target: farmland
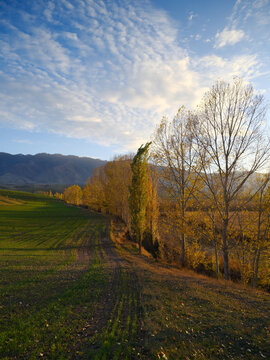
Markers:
<point>69,292</point>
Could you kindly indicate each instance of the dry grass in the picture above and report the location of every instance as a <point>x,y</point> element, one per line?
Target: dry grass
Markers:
<point>7,201</point>
<point>191,316</point>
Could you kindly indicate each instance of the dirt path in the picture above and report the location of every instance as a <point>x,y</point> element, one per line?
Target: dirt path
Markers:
<point>114,332</point>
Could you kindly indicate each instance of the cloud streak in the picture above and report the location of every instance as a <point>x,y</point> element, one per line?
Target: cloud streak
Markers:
<point>229,37</point>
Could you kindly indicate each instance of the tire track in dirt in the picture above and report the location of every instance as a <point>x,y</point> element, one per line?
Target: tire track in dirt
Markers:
<point>114,330</point>
<point>88,244</point>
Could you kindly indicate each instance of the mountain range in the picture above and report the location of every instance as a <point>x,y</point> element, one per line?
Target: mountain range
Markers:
<point>21,170</point>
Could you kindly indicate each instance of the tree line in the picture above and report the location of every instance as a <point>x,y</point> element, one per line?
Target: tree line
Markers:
<point>199,189</point>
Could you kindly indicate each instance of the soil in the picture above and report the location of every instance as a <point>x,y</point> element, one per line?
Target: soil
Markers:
<point>123,292</point>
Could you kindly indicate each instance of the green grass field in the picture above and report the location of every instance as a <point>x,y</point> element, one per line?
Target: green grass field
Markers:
<point>48,292</point>
<point>68,292</point>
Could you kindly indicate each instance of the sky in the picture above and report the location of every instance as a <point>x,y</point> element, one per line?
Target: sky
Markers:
<point>95,77</point>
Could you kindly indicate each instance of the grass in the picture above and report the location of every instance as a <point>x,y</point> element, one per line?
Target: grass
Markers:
<point>190,316</point>
<point>6,201</point>
<point>67,292</point>
<point>197,320</point>
<point>118,340</point>
<point>47,295</point>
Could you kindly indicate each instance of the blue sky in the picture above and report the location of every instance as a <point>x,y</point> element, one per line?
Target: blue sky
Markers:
<point>94,77</point>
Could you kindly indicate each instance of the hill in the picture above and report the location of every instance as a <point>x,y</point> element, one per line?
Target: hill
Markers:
<point>73,287</point>
<point>24,170</point>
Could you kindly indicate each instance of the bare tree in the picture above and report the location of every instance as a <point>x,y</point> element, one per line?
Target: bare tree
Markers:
<point>173,153</point>
<point>232,144</point>
<point>261,202</point>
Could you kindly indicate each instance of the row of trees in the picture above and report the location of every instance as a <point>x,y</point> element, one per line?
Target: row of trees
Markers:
<point>209,155</point>
<point>127,188</point>
<point>201,177</point>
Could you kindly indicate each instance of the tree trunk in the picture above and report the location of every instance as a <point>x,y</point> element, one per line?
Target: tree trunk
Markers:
<point>182,257</point>
<point>225,249</point>
<point>256,268</point>
<point>140,244</point>
<point>216,256</point>
<point>258,252</point>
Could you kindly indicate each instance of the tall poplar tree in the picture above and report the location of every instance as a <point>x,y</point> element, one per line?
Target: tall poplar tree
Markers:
<point>138,198</point>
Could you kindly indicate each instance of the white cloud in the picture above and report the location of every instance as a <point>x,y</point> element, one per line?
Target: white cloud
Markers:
<point>68,4</point>
<point>48,12</point>
<point>22,141</point>
<point>254,15</point>
<point>226,68</point>
<point>229,37</point>
<point>192,15</point>
<point>126,72</point>
<point>71,36</point>
<point>86,119</point>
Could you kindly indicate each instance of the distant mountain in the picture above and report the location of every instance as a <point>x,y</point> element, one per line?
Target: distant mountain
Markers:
<point>46,169</point>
